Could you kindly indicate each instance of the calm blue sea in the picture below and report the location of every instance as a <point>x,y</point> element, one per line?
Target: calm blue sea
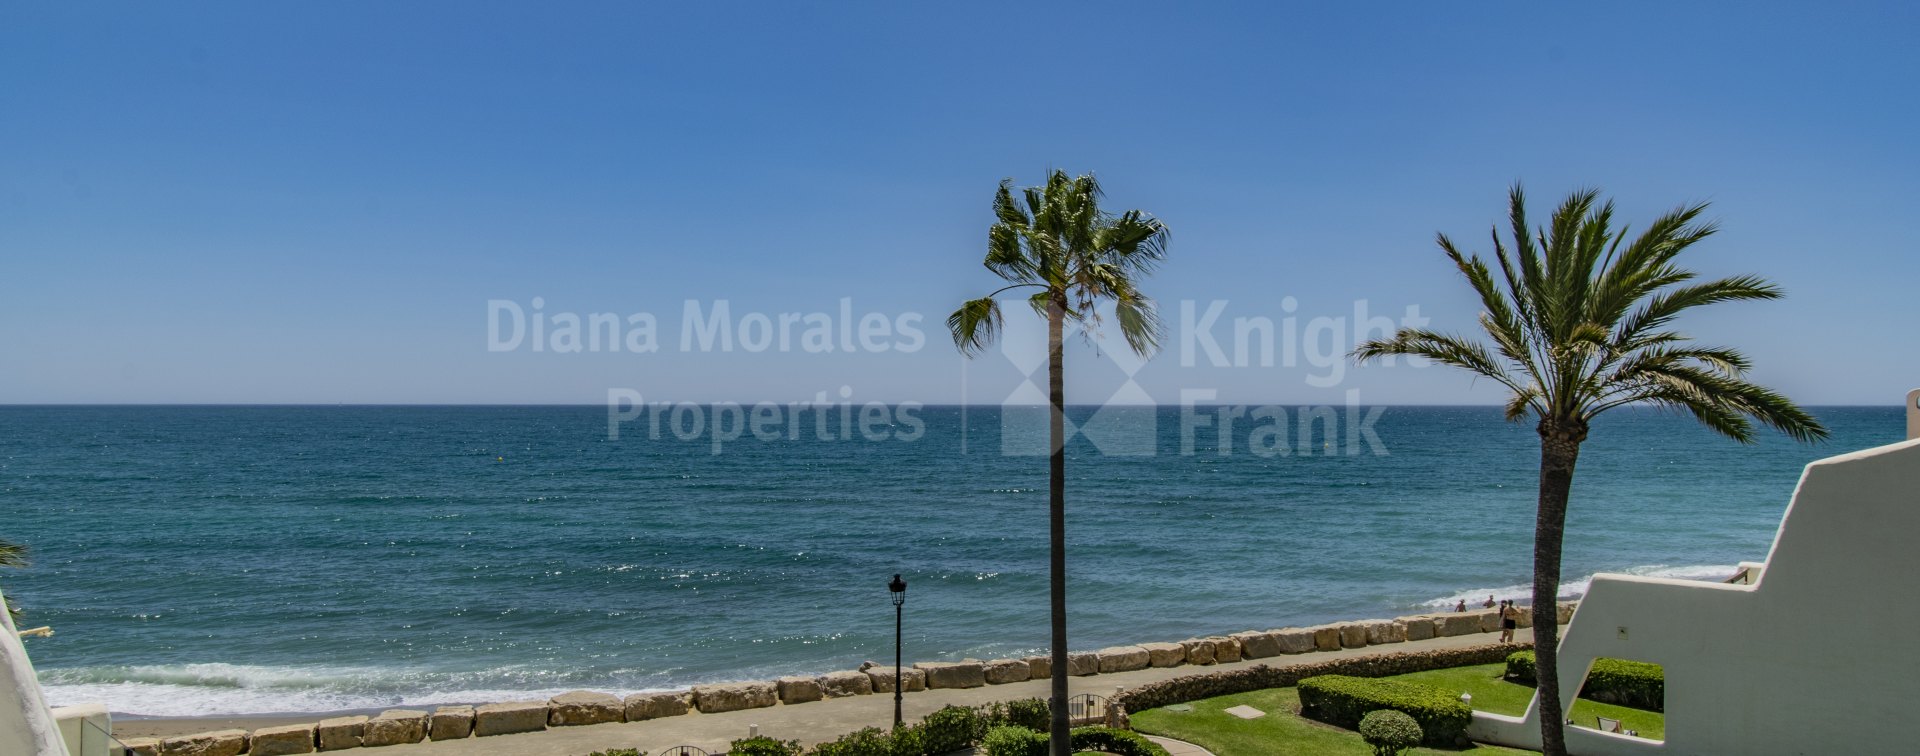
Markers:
<point>210,560</point>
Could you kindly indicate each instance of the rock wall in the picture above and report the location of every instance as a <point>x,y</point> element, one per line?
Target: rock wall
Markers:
<point>405,726</point>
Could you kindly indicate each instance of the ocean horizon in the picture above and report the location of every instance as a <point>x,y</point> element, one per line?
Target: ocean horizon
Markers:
<point>205,560</point>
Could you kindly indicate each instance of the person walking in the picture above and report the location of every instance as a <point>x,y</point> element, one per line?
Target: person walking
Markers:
<point>1509,620</point>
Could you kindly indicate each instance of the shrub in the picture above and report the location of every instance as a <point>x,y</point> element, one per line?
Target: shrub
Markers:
<point>1007,740</point>
<point>1031,713</point>
<point>1391,733</point>
<point>1114,741</point>
<point>619,752</point>
<point>1615,681</point>
<point>1342,701</point>
<point>951,729</point>
<point>764,746</point>
<point>871,741</point>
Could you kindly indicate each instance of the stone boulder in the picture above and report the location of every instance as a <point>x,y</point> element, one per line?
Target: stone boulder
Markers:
<point>217,743</point>
<point>1199,650</point>
<point>1165,654</point>
<point>963,674</point>
<point>1040,667</point>
<point>1257,645</point>
<point>797,690</point>
<point>714,699</point>
<point>880,679</point>
<point>280,741</point>
<point>1419,628</point>
<point>582,707</point>
<point>1353,635</point>
<point>1123,659</point>
<point>1489,621</point>
<point>846,683</point>
<point>1081,664</point>
<point>151,746</point>
<point>395,727</point>
<point>1326,637</point>
<point>340,732</point>
<point>645,706</point>
<point>1457,624</point>
<point>1003,671</point>
<point>1293,640</point>
<point>1225,649</point>
<point>450,723</point>
<point>1381,632</point>
<point>1563,612</point>
<point>509,717</point>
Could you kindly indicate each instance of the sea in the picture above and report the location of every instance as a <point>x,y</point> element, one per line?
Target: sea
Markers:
<point>221,560</point>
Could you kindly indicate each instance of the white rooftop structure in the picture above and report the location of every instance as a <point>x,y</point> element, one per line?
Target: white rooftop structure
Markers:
<point>26,724</point>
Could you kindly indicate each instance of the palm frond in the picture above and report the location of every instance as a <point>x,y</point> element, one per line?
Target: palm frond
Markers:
<point>1446,349</point>
<point>12,555</point>
<point>1139,322</point>
<point>975,325</point>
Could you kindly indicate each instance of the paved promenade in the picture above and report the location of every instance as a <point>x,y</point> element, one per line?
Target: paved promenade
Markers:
<point>825,720</point>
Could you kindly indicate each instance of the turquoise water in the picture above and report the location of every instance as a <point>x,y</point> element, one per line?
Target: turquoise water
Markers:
<point>210,560</point>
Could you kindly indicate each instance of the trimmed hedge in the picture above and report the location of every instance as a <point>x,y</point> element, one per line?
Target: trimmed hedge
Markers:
<point>1262,677</point>
<point>1343,701</point>
<point>1122,742</point>
<point>1008,740</point>
<point>1013,740</point>
<point>1614,681</point>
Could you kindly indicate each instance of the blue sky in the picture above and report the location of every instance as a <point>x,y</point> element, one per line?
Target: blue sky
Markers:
<point>315,203</point>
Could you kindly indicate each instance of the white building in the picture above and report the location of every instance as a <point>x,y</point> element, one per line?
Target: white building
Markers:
<point>1806,654</point>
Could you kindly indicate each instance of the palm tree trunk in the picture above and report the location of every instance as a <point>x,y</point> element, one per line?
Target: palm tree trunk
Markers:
<point>1559,450</point>
<point>1057,517</point>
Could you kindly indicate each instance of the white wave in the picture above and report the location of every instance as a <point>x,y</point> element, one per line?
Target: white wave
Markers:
<point>1574,589</point>
<point>197,690</point>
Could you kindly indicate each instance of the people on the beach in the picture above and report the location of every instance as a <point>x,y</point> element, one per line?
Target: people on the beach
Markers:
<point>1462,606</point>
<point>1509,620</point>
<point>1489,604</point>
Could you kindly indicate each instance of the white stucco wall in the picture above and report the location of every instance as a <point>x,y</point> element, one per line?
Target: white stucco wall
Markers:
<point>1816,656</point>
<point>26,725</point>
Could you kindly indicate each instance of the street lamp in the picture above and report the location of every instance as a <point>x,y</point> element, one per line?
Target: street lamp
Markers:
<point>897,588</point>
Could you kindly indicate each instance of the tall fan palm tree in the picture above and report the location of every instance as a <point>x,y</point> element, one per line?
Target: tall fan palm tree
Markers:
<point>1057,241</point>
<point>1579,324</point>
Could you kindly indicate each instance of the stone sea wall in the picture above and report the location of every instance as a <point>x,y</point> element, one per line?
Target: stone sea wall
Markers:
<point>403,726</point>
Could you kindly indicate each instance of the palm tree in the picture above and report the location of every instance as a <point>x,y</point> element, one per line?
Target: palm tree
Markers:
<point>1057,241</point>
<point>15,556</point>
<point>1581,327</point>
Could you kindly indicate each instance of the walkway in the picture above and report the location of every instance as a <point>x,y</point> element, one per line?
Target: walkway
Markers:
<point>825,720</point>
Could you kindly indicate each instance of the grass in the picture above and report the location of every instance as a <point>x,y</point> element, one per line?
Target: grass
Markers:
<point>1280,733</point>
<point>1495,695</point>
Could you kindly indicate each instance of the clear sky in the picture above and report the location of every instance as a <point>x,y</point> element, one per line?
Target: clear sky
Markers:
<point>317,202</point>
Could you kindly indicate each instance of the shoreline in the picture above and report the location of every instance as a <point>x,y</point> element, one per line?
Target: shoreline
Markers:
<point>969,673</point>
<point>168,725</point>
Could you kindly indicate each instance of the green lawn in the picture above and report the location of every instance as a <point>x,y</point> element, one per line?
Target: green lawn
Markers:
<point>1282,732</point>
<point>1497,696</point>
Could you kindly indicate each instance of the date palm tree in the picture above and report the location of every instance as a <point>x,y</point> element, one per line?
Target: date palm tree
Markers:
<point>1056,241</point>
<point>1578,324</point>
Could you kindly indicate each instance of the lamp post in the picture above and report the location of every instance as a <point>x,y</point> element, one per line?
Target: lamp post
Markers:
<point>897,588</point>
